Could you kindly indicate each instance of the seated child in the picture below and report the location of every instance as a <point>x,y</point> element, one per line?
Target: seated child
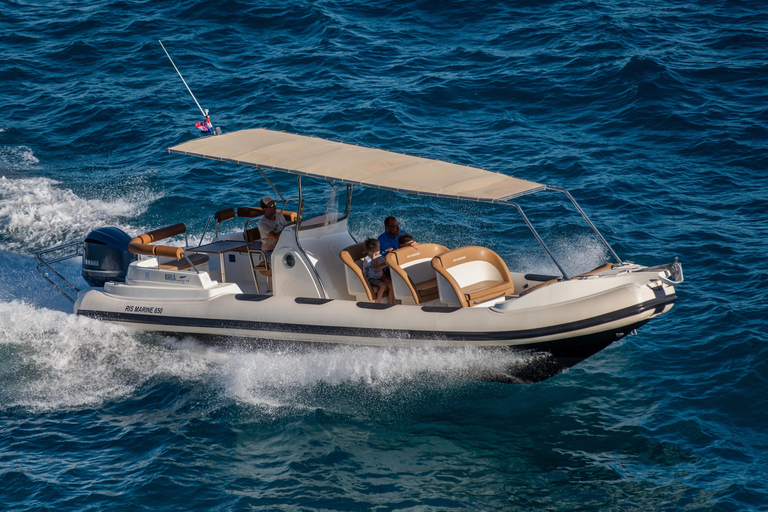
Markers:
<point>373,268</point>
<point>405,240</point>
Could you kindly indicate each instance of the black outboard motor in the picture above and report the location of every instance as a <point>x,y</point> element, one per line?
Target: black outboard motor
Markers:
<point>106,256</point>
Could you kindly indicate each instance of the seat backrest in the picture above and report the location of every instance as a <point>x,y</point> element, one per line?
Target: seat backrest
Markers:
<point>357,284</point>
<point>466,266</point>
<point>223,215</point>
<point>411,266</point>
<point>249,212</point>
<point>220,217</point>
<point>252,235</point>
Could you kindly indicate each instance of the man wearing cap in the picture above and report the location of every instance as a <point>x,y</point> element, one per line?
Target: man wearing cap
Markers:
<point>270,225</point>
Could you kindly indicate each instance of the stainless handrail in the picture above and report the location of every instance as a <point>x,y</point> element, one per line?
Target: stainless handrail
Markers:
<point>675,270</point>
<point>47,264</point>
<point>205,230</point>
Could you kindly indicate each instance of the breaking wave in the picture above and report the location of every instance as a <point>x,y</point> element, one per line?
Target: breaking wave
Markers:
<point>63,361</point>
<point>17,157</point>
<point>36,214</point>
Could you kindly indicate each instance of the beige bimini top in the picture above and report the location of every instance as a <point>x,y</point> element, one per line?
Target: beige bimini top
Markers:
<point>369,167</point>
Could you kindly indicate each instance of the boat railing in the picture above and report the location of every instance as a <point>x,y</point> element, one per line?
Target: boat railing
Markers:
<point>674,269</point>
<point>217,218</point>
<point>75,249</point>
<point>205,229</point>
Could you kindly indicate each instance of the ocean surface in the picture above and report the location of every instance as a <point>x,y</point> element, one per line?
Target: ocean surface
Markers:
<point>653,114</point>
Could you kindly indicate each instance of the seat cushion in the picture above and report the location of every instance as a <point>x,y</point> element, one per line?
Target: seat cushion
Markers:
<point>486,290</point>
<point>427,288</point>
<point>183,264</point>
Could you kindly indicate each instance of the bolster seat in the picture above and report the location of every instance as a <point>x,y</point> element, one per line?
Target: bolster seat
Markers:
<point>413,276</point>
<point>357,284</point>
<point>472,275</point>
<point>158,234</point>
<point>142,244</point>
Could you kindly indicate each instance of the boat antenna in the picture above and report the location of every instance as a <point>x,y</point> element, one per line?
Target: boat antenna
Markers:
<point>205,112</point>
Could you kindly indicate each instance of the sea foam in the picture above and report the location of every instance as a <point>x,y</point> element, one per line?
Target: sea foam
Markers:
<point>17,157</point>
<point>63,361</point>
<point>35,213</point>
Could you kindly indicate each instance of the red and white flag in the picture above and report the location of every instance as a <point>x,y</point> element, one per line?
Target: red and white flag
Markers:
<point>205,126</point>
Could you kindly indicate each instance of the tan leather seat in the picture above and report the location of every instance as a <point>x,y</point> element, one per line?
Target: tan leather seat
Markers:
<point>357,284</point>
<point>413,276</point>
<point>183,264</point>
<point>472,275</point>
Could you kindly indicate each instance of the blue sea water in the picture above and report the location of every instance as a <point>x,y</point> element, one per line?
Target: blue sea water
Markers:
<point>653,114</point>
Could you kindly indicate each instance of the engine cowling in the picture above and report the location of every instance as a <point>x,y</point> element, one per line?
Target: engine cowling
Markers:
<point>106,256</point>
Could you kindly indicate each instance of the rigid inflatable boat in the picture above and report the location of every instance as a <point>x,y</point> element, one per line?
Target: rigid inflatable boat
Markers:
<point>312,288</point>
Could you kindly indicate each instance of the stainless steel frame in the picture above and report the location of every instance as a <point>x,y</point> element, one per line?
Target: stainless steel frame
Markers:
<point>78,251</point>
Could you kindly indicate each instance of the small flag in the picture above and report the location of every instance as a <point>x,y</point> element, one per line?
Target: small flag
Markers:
<point>205,126</point>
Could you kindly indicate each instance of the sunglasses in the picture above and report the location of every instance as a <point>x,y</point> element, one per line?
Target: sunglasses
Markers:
<point>393,226</point>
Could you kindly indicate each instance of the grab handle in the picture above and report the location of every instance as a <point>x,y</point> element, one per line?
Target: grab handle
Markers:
<point>675,270</point>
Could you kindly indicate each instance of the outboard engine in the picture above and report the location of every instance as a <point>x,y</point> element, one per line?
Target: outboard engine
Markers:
<point>106,256</point>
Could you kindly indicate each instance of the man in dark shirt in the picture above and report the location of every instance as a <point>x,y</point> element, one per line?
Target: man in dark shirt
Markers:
<point>388,240</point>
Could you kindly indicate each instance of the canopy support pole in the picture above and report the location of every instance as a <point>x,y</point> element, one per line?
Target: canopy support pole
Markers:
<point>538,237</point>
<point>273,187</point>
<point>594,228</point>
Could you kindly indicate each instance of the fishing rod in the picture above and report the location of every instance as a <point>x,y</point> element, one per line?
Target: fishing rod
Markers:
<point>205,126</point>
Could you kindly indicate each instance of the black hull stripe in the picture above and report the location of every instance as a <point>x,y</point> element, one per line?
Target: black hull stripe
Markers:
<point>363,332</point>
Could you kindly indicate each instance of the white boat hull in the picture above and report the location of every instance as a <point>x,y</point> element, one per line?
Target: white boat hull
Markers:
<point>568,320</point>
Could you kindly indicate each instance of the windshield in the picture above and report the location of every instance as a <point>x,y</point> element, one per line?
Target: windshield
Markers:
<point>322,202</point>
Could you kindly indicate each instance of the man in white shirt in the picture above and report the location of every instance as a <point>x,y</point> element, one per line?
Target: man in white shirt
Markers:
<point>270,225</point>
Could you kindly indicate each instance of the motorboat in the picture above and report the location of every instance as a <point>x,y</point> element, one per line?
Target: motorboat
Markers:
<point>311,288</point>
